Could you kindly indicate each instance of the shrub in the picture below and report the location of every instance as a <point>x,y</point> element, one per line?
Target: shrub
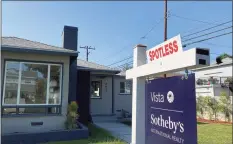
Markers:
<point>72,116</point>
<point>213,107</point>
<point>201,105</point>
<point>225,104</point>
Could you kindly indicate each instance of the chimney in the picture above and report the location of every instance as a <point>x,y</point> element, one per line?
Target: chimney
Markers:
<point>70,41</point>
<point>70,38</point>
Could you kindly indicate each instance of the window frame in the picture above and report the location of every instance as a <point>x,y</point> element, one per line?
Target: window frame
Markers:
<point>18,105</point>
<point>125,88</point>
<point>100,93</point>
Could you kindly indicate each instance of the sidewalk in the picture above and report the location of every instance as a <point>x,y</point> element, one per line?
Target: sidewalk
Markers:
<point>117,129</point>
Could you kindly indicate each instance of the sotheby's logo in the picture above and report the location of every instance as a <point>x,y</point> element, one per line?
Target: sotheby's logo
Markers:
<point>159,97</point>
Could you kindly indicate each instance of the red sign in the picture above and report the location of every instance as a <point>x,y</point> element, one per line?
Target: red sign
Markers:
<point>166,48</point>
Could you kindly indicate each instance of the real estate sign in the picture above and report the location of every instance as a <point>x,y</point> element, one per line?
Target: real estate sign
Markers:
<point>165,49</point>
<point>171,111</point>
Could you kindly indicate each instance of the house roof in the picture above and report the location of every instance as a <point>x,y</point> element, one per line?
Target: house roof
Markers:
<point>91,66</point>
<point>23,45</point>
<point>226,61</point>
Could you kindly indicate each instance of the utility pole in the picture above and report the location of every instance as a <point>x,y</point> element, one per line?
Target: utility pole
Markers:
<point>87,51</point>
<point>165,25</point>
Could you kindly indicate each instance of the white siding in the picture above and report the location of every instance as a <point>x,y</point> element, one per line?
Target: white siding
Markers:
<point>222,71</point>
<point>213,90</point>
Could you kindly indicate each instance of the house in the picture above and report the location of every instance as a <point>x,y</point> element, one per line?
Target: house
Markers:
<point>39,80</point>
<point>37,83</point>
<point>105,88</point>
<point>211,80</point>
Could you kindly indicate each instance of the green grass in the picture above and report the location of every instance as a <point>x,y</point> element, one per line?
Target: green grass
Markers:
<point>214,133</point>
<point>211,133</point>
<point>98,136</point>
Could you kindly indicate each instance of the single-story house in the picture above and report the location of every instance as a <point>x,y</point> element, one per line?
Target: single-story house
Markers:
<point>37,83</point>
<point>39,80</point>
<point>108,91</point>
<point>211,80</point>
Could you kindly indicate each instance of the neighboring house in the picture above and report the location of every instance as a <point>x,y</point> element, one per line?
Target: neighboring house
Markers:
<point>37,83</point>
<point>211,80</point>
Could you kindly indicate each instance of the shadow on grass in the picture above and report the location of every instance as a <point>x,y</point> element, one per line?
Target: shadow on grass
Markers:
<point>200,123</point>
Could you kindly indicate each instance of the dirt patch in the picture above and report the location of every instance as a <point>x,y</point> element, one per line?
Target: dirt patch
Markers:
<point>212,121</point>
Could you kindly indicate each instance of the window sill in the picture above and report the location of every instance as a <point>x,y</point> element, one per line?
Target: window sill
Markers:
<point>29,115</point>
<point>125,94</point>
<point>96,98</point>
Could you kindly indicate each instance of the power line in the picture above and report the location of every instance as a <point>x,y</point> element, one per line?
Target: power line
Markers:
<point>207,29</point>
<point>193,34</point>
<point>184,46</point>
<point>144,36</point>
<point>174,15</point>
<point>120,61</point>
<point>207,34</point>
<point>206,39</point>
<point>219,45</point>
<point>87,51</point>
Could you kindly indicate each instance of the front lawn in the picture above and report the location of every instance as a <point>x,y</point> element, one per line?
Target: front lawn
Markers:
<point>98,136</point>
<point>211,133</point>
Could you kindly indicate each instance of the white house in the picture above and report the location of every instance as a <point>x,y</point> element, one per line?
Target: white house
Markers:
<point>210,80</point>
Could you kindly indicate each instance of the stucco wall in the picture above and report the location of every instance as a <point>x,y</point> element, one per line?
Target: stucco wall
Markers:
<point>121,101</point>
<point>222,71</point>
<point>23,124</point>
<point>102,106</point>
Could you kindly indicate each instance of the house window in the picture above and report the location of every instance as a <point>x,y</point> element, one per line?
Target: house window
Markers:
<point>125,87</point>
<point>96,89</point>
<point>32,88</point>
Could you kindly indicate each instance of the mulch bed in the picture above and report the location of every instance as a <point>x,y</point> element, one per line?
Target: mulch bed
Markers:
<point>212,121</point>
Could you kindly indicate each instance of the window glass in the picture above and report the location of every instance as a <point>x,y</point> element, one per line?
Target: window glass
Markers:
<point>11,82</point>
<point>125,87</point>
<point>32,110</point>
<point>53,110</point>
<point>9,110</point>
<point>122,87</point>
<point>95,89</point>
<point>54,86</point>
<point>32,83</point>
<point>33,87</point>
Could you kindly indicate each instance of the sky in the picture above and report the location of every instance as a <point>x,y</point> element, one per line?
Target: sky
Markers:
<point>114,28</point>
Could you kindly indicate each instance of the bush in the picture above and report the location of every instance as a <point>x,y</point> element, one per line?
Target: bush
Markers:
<point>226,106</point>
<point>213,107</point>
<point>72,116</point>
<point>201,105</point>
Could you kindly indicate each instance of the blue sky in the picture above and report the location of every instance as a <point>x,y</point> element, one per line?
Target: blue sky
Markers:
<point>113,28</point>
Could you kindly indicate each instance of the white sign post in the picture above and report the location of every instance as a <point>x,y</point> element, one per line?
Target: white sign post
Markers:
<point>165,58</point>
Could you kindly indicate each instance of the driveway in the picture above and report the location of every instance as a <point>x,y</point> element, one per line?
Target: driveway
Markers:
<point>116,128</point>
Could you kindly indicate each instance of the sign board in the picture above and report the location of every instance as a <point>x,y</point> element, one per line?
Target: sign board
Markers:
<point>171,111</point>
<point>169,47</point>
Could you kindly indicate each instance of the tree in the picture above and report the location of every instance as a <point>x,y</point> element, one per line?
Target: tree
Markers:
<point>201,105</point>
<point>221,57</point>
<point>226,106</point>
<point>214,107</point>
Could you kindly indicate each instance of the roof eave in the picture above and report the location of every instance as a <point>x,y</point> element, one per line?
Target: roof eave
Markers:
<point>213,66</point>
<point>38,51</point>
<point>97,70</point>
